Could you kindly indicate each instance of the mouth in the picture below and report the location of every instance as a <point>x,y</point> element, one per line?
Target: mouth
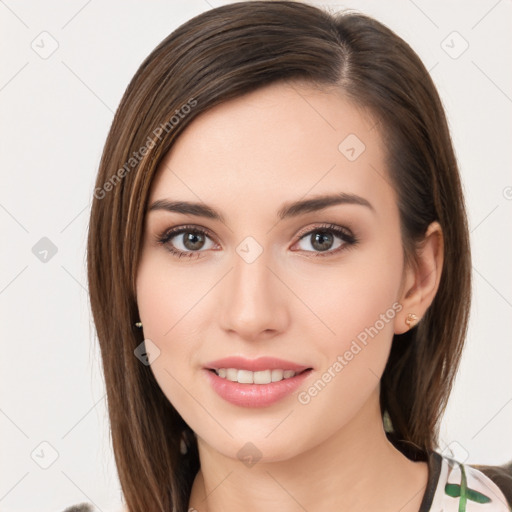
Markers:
<point>266,376</point>
<point>258,388</point>
<point>257,382</point>
<point>262,370</point>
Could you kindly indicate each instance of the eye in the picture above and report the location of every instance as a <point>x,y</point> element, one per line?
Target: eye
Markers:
<point>189,241</point>
<point>322,239</point>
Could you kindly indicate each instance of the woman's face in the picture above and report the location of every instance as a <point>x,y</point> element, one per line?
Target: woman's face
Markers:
<point>267,279</point>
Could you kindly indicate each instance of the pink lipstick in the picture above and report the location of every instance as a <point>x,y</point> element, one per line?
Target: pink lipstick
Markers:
<point>255,382</point>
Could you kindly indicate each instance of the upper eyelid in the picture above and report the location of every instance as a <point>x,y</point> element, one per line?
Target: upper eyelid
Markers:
<point>179,230</point>
<point>328,226</point>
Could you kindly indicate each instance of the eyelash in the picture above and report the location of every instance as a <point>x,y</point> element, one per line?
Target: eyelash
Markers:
<point>344,233</point>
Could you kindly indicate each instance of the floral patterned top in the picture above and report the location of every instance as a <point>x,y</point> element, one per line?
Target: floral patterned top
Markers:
<point>451,487</point>
<point>456,487</point>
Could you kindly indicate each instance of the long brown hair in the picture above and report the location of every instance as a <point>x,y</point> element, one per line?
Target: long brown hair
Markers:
<point>222,54</point>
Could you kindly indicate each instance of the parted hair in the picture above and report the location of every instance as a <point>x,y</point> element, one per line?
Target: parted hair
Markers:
<point>222,54</point>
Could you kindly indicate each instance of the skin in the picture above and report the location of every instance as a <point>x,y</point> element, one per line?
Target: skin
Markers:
<point>246,158</point>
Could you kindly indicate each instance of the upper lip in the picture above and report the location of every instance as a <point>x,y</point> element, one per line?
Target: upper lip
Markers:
<point>255,365</point>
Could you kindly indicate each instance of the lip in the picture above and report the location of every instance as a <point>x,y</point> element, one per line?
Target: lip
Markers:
<point>255,365</point>
<point>254,395</point>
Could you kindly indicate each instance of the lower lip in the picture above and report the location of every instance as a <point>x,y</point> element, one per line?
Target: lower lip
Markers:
<point>255,395</point>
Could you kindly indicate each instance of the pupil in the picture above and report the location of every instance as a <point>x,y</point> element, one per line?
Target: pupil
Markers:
<point>322,236</point>
<point>190,238</point>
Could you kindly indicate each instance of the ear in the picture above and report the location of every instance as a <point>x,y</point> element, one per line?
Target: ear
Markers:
<point>420,284</point>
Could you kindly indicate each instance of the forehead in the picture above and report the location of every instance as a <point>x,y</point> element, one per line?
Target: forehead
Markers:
<point>275,144</point>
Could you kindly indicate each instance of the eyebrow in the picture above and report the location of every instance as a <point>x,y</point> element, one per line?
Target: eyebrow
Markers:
<point>288,210</point>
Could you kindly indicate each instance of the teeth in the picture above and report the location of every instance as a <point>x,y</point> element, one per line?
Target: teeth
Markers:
<point>248,377</point>
<point>277,375</point>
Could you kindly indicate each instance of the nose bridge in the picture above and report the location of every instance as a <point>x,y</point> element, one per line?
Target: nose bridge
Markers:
<point>251,277</point>
<point>253,304</point>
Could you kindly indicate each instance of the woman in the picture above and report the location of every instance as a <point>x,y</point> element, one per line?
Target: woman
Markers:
<point>279,271</point>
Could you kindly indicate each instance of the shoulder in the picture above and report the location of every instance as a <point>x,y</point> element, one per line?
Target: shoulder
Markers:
<point>89,507</point>
<point>467,488</point>
<point>81,507</point>
<point>501,476</point>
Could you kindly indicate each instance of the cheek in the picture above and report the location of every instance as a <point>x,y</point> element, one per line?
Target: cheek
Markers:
<point>167,296</point>
<point>163,303</point>
<point>352,294</point>
<point>360,309</point>
<point>356,307</point>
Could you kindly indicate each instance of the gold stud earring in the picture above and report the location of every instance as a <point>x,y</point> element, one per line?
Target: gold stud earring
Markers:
<point>411,319</point>
<point>138,324</point>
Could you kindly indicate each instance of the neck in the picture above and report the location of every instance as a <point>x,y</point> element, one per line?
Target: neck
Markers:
<point>355,469</point>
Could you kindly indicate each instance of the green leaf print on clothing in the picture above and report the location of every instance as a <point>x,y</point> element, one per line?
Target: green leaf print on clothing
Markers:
<point>456,490</point>
<point>453,490</point>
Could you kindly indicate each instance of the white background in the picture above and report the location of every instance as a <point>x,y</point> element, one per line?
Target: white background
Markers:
<point>55,114</point>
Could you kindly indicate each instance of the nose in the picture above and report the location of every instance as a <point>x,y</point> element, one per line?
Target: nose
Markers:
<point>254,300</point>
